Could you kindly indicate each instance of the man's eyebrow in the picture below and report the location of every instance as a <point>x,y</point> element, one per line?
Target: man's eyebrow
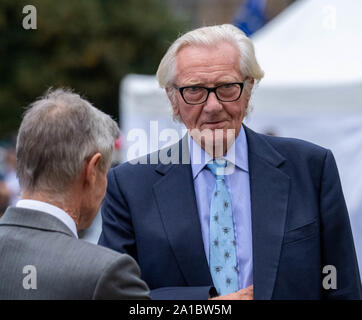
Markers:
<point>224,81</point>
<point>193,83</point>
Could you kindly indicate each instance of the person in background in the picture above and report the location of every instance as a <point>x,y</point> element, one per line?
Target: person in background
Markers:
<point>255,217</point>
<point>4,197</point>
<point>11,182</point>
<point>63,153</point>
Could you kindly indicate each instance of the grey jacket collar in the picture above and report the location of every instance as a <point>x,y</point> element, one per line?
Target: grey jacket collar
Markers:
<point>34,219</point>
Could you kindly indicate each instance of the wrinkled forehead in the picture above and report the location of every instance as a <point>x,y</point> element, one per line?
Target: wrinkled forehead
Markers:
<point>223,49</point>
<point>220,59</point>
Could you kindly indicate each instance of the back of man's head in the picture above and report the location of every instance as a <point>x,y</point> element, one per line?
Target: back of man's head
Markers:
<point>58,133</point>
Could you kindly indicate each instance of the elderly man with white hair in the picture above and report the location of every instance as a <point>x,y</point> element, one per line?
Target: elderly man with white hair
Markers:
<point>246,216</point>
<point>63,152</point>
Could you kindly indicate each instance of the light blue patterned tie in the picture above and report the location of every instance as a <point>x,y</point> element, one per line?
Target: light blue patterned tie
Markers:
<point>222,259</point>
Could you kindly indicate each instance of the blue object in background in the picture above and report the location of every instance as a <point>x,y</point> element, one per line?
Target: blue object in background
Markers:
<point>251,16</point>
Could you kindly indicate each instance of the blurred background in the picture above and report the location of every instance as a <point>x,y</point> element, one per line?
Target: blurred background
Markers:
<point>109,51</point>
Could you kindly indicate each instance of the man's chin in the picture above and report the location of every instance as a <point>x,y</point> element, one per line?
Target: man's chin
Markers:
<point>215,142</point>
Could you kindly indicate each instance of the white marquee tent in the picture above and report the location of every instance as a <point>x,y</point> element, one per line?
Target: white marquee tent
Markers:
<point>312,57</point>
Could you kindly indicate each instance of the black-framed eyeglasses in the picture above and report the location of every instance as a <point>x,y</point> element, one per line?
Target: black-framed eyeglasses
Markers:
<point>226,92</point>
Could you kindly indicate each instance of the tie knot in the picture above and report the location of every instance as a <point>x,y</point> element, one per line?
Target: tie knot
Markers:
<point>217,167</point>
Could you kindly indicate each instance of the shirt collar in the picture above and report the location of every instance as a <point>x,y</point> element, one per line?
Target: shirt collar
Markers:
<point>50,209</point>
<point>237,154</point>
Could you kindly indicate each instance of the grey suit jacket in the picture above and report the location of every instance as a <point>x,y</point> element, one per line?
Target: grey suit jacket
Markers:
<point>61,266</point>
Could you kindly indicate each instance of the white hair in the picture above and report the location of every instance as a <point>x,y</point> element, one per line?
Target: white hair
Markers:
<point>210,36</point>
<point>58,133</point>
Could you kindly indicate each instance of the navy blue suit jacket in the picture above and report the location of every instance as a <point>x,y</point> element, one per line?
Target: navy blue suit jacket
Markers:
<point>300,224</point>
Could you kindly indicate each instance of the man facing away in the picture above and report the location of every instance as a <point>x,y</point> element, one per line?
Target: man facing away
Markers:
<point>64,149</point>
<point>253,216</point>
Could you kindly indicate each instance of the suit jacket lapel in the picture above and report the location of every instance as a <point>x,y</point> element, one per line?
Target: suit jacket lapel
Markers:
<point>269,188</point>
<point>176,201</point>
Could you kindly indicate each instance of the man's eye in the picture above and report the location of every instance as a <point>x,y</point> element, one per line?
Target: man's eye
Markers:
<point>194,89</point>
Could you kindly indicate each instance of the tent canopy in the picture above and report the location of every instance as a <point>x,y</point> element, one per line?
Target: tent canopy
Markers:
<point>312,43</point>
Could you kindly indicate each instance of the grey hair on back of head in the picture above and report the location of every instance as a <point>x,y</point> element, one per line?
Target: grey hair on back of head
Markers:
<point>58,133</point>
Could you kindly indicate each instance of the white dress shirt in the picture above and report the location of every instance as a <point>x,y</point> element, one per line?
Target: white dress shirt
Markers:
<point>49,209</point>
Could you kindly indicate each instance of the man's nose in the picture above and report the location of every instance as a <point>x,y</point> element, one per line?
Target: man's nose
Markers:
<point>212,103</point>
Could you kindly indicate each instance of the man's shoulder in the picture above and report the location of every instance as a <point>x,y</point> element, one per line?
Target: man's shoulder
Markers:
<point>294,148</point>
<point>88,260</point>
<point>51,246</point>
<point>132,173</point>
<point>148,164</point>
<point>68,268</point>
<point>294,144</point>
<point>58,248</point>
<point>92,253</point>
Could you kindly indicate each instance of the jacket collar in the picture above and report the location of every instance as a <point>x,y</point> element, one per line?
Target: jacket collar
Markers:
<point>34,219</point>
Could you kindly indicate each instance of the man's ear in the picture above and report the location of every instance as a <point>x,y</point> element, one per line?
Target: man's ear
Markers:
<point>92,167</point>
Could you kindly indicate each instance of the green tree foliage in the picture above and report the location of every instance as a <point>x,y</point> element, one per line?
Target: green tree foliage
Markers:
<point>87,45</point>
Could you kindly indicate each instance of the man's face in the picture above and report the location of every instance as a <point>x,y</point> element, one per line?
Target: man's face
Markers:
<point>210,67</point>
